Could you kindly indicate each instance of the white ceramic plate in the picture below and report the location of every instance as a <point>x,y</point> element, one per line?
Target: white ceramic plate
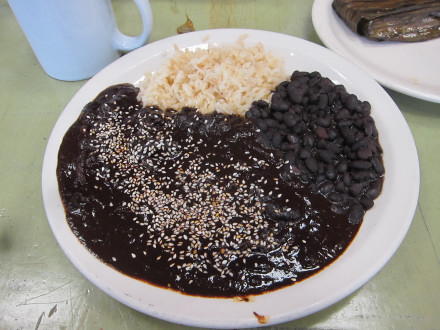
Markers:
<point>384,227</point>
<point>409,68</point>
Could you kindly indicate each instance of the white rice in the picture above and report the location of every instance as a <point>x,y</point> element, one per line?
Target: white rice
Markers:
<point>225,79</point>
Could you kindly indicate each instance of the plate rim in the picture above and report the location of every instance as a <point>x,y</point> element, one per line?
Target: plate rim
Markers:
<point>48,193</point>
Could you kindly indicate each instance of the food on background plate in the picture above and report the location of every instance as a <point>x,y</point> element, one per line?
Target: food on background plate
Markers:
<point>219,204</point>
<point>391,20</point>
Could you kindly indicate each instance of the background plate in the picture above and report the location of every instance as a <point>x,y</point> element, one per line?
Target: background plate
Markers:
<point>384,227</point>
<point>409,68</point>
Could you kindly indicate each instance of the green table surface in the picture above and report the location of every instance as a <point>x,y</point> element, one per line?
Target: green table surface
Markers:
<point>40,288</point>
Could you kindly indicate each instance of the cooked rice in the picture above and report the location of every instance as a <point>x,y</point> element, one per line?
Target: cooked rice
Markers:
<point>224,79</point>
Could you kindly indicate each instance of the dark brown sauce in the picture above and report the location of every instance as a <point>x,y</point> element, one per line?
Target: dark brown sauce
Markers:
<point>191,202</point>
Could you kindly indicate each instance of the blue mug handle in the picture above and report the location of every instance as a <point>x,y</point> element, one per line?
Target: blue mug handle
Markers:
<point>123,42</point>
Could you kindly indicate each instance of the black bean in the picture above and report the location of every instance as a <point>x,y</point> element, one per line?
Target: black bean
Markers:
<point>253,113</point>
<point>284,84</point>
<point>359,123</point>
<point>298,74</point>
<point>352,156</point>
<point>366,108</point>
<point>359,144</point>
<point>346,178</point>
<point>360,175</point>
<point>326,156</point>
<point>320,144</point>
<point>359,136</point>
<point>299,128</point>
<point>337,209</point>
<point>373,176</point>
<point>325,188</point>
<point>315,75</point>
<point>322,101</point>
<point>294,93</point>
<point>278,116</point>
<point>365,183</point>
<point>292,138</point>
<point>295,108</point>
<point>356,213</point>
<point>339,140</point>
<point>340,89</point>
<point>332,133</point>
<point>368,129</point>
<point>305,116</point>
<point>336,197</point>
<point>342,166</point>
<point>364,153</point>
<point>302,166</point>
<point>371,146</point>
<point>330,172</point>
<point>304,178</point>
<point>323,113</point>
<point>276,97</point>
<point>271,123</point>
<point>320,178</point>
<point>262,125</point>
<point>378,147</point>
<point>344,113</point>
<point>367,203</point>
<point>321,132</point>
<point>332,96</point>
<point>345,123</point>
<point>351,102</point>
<point>290,119</point>
<point>324,121</point>
<point>374,133</point>
<point>303,82</point>
<point>348,135</point>
<point>290,157</point>
<point>305,153</point>
<point>261,104</point>
<point>277,138</point>
<point>281,90</point>
<point>304,87</point>
<point>341,187</point>
<point>321,167</point>
<point>360,164</point>
<point>312,109</point>
<point>326,85</point>
<point>309,140</point>
<point>374,189</point>
<point>355,189</point>
<point>286,146</point>
<point>342,93</point>
<point>332,147</point>
<point>279,105</point>
<point>294,83</point>
<point>264,139</point>
<point>265,113</point>
<point>377,165</point>
<point>283,127</point>
<point>346,149</point>
<point>312,164</point>
<point>313,96</point>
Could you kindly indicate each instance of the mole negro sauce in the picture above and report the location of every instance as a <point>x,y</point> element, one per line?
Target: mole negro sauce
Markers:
<point>192,202</point>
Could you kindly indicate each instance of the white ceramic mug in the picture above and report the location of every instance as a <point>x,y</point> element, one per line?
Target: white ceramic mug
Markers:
<point>75,39</point>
